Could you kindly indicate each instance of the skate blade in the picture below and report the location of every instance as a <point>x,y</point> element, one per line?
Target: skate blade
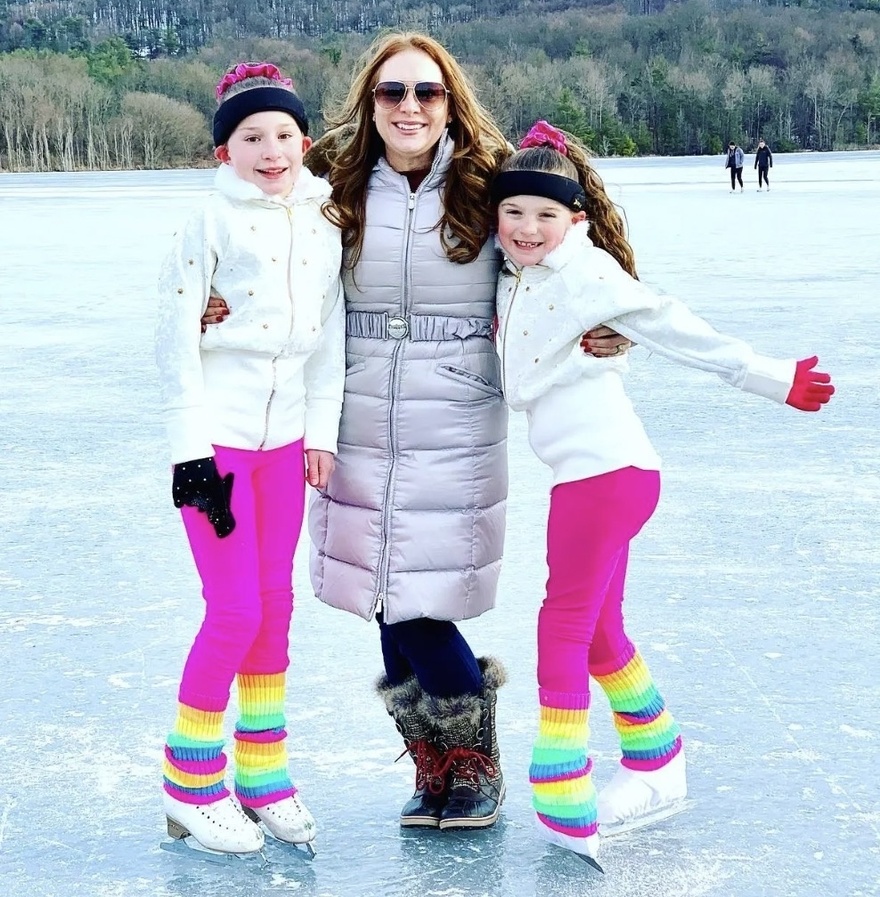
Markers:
<point>631,825</point>
<point>286,853</point>
<point>278,852</point>
<point>590,862</point>
<point>189,848</point>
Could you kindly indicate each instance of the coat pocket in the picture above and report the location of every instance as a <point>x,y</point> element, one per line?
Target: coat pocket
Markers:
<point>469,378</point>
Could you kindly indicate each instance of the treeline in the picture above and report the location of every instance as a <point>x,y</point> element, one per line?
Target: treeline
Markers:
<point>682,81</point>
<point>157,27</point>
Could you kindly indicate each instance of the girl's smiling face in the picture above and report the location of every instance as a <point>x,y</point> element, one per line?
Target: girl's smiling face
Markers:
<point>531,226</point>
<point>266,149</point>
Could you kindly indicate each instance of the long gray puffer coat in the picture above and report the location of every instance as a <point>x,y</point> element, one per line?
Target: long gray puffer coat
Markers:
<point>412,522</point>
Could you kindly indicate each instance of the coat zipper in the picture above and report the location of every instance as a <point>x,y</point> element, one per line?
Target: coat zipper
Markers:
<point>289,332</point>
<point>394,384</point>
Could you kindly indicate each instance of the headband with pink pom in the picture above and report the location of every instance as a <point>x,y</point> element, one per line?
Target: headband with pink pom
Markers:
<point>527,182</point>
<point>261,98</point>
<point>542,133</point>
<point>245,70</point>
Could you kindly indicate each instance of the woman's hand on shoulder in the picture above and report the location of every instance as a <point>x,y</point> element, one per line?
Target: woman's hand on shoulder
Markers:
<point>603,342</point>
<point>216,311</point>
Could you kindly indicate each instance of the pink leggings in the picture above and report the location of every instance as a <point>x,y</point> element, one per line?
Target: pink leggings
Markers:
<point>246,577</point>
<point>580,624</point>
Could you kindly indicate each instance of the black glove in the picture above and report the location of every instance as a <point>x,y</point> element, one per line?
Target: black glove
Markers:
<point>199,485</point>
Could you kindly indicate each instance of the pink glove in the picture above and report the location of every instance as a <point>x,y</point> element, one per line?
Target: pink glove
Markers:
<point>811,389</point>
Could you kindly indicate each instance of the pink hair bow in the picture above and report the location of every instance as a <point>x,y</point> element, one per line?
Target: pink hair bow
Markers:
<point>542,133</point>
<point>245,70</point>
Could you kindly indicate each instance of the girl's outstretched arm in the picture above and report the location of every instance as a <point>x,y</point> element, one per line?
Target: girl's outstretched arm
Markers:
<point>665,325</point>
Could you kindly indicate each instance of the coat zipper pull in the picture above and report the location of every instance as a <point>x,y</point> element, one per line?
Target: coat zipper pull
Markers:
<point>412,201</point>
<point>379,602</point>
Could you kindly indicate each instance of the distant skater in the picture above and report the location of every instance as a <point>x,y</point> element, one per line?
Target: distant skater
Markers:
<point>735,162</point>
<point>763,162</point>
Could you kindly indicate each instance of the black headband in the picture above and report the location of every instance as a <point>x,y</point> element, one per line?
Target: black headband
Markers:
<point>231,113</point>
<point>539,183</point>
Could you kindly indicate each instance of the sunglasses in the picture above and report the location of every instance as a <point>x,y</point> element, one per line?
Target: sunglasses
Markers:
<point>390,94</point>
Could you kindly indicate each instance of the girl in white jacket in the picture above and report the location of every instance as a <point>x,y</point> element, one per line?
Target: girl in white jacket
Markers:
<point>251,410</point>
<point>568,267</point>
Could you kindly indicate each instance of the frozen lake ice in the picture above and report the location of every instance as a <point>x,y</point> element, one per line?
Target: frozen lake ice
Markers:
<point>753,592</point>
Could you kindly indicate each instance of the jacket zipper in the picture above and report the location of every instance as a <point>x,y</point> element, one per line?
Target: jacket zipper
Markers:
<point>289,332</point>
<point>385,554</point>
<point>290,274</point>
<point>507,317</point>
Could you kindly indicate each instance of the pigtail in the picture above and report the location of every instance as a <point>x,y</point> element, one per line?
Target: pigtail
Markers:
<point>607,225</point>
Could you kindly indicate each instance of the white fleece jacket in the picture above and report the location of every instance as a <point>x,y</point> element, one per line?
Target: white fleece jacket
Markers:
<point>581,422</point>
<point>274,370</point>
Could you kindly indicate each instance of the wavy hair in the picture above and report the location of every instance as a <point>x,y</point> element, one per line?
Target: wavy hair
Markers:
<point>352,146</point>
<point>607,224</point>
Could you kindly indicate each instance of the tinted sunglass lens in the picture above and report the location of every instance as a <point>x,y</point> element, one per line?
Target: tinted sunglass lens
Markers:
<point>390,94</point>
<point>429,94</point>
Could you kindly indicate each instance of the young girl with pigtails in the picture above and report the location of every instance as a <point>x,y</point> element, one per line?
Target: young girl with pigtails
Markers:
<point>252,411</point>
<point>569,267</point>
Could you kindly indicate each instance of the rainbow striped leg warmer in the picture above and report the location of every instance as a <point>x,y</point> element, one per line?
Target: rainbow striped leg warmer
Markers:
<point>261,773</point>
<point>562,787</point>
<point>194,759</point>
<point>649,736</point>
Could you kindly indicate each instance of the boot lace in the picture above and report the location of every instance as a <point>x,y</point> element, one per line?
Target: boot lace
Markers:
<point>465,764</point>
<point>429,771</point>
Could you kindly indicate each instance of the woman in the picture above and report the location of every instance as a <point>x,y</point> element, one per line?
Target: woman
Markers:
<point>411,526</point>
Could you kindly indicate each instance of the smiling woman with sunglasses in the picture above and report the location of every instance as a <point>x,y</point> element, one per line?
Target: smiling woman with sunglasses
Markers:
<point>410,529</point>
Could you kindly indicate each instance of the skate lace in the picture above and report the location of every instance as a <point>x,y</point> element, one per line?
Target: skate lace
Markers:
<point>428,762</point>
<point>465,764</point>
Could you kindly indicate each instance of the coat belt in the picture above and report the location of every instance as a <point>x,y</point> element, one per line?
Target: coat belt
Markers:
<point>380,325</point>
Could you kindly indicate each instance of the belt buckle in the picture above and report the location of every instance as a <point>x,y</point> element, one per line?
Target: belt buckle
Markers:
<point>398,327</point>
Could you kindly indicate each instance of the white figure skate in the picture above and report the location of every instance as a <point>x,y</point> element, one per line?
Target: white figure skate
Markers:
<point>220,827</point>
<point>287,820</point>
<point>586,848</point>
<point>634,799</point>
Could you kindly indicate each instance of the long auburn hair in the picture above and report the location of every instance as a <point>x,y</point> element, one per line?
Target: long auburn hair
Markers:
<point>607,225</point>
<point>351,147</point>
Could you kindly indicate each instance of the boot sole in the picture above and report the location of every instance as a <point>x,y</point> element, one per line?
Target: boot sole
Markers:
<point>481,822</point>
<point>419,822</point>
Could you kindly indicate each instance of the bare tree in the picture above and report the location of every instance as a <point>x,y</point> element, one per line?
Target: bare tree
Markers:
<point>166,130</point>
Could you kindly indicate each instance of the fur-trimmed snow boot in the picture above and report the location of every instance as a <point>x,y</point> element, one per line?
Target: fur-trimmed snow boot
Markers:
<point>404,705</point>
<point>465,732</point>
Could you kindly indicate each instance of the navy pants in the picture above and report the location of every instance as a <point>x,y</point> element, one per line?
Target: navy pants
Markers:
<point>433,651</point>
